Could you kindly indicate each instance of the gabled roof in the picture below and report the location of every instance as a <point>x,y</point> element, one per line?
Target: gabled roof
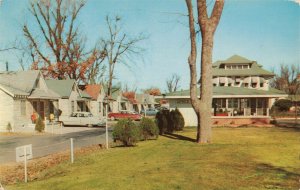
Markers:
<point>61,87</point>
<point>232,91</point>
<point>19,82</point>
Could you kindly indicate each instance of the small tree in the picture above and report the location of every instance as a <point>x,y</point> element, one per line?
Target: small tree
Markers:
<point>149,128</point>
<point>127,132</point>
<point>9,127</point>
<point>39,125</point>
<point>178,120</point>
<point>162,121</point>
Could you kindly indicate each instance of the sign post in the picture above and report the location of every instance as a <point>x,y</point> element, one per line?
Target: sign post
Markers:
<point>106,128</point>
<point>24,153</point>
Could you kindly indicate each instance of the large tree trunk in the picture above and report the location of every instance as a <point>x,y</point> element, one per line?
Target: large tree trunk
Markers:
<point>208,25</point>
<point>206,89</point>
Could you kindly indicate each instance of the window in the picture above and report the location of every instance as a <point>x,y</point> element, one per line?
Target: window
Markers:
<point>233,103</point>
<point>220,102</point>
<point>254,85</point>
<point>35,106</point>
<point>222,84</point>
<point>246,85</point>
<point>100,108</point>
<point>261,84</point>
<point>51,107</point>
<point>214,84</point>
<point>23,107</point>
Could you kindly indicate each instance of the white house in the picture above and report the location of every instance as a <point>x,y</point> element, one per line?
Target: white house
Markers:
<point>241,94</point>
<point>23,93</point>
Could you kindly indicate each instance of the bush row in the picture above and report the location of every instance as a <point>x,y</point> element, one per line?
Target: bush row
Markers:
<point>169,121</point>
<point>129,133</point>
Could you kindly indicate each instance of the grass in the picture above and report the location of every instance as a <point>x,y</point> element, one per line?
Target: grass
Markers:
<point>239,158</point>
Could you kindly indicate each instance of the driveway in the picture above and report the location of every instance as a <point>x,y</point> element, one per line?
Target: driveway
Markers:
<point>288,122</point>
<point>43,145</point>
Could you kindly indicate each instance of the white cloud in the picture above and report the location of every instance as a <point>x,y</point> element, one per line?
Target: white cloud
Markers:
<point>296,1</point>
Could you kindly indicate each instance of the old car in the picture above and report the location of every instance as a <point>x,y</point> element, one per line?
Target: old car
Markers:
<point>81,119</point>
<point>124,114</point>
<point>149,112</point>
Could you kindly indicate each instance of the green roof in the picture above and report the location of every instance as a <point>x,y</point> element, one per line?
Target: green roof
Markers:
<point>226,90</point>
<point>61,87</point>
<point>254,70</point>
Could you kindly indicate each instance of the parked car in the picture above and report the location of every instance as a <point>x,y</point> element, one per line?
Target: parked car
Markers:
<point>149,112</point>
<point>82,119</point>
<point>124,114</point>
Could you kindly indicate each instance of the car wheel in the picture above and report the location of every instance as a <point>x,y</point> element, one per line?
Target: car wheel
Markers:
<point>112,118</point>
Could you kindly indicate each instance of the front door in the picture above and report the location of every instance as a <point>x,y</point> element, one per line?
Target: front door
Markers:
<point>253,106</point>
<point>42,110</point>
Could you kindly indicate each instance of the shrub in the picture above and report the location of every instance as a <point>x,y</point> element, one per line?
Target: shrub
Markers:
<point>149,128</point>
<point>127,132</point>
<point>162,121</point>
<point>39,125</point>
<point>9,127</point>
<point>177,120</point>
<point>283,104</point>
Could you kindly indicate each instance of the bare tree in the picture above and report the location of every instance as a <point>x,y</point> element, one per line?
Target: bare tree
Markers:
<point>208,26</point>
<point>155,91</point>
<point>120,48</point>
<point>286,80</point>
<point>58,48</point>
<point>173,82</point>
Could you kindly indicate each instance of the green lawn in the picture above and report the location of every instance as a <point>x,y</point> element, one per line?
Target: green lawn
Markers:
<point>239,158</point>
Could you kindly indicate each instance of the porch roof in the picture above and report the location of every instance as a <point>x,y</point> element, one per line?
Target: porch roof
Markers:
<point>219,91</point>
<point>42,94</point>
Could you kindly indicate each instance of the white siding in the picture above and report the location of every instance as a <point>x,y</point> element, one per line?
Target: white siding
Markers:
<point>6,110</point>
<point>19,119</point>
<point>188,113</point>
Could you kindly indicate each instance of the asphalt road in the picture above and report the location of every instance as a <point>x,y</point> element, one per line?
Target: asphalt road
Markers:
<point>43,145</point>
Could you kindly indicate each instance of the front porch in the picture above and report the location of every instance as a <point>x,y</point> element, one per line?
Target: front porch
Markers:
<point>240,107</point>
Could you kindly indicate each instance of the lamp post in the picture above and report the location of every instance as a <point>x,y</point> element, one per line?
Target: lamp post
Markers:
<point>145,104</point>
<point>106,100</point>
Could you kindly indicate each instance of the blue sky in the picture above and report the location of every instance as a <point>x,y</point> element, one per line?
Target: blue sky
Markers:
<point>267,31</point>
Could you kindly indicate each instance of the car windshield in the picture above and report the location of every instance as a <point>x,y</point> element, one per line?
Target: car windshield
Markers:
<point>74,115</point>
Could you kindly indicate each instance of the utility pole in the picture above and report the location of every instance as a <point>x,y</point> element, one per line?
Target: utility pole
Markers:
<point>6,64</point>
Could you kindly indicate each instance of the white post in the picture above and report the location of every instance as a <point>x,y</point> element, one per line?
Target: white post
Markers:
<point>25,164</point>
<point>52,128</point>
<point>72,151</point>
<point>106,128</point>
<point>61,128</point>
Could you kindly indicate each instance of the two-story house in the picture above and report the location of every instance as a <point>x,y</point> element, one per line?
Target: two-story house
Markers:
<point>241,94</point>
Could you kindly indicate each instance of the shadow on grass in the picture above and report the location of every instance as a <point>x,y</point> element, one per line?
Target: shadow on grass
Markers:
<point>284,174</point>
<point>178,137</point>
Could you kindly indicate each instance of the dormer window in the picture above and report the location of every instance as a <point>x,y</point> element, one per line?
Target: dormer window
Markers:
<point>236,66</point>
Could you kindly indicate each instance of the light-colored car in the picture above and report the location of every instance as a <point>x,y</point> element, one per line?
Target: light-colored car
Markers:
<point>82,119</point>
